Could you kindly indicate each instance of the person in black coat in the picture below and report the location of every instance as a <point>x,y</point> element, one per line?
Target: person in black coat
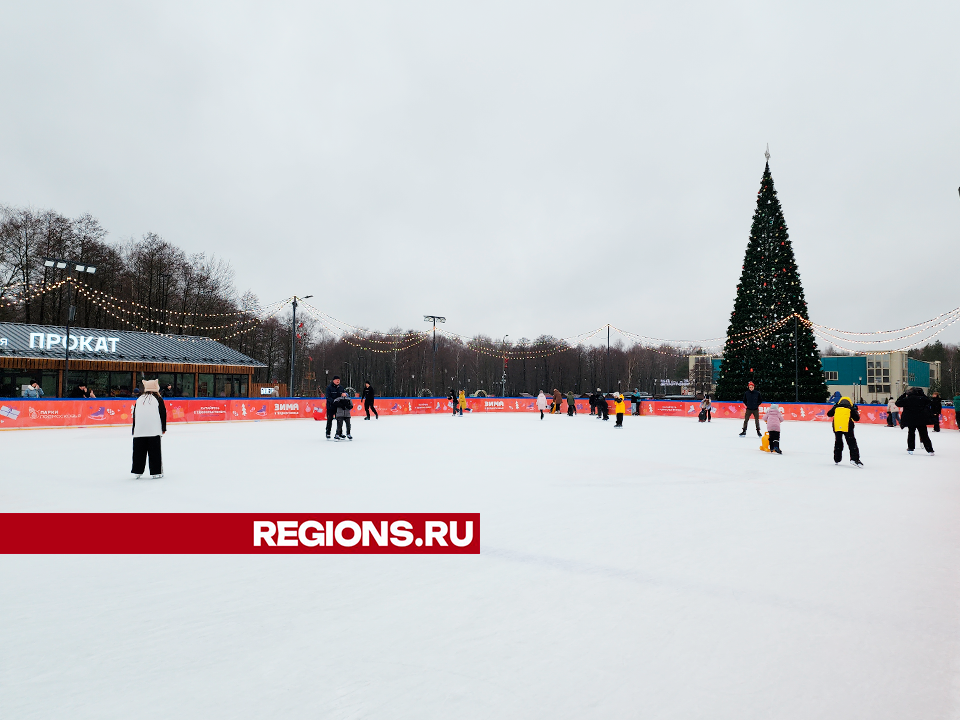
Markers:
<point>367,395</point>
<point>936,407</point>
<point>603,409</point>
<point>915,407</point>
<point>332,394</point>
<point>751,399</point>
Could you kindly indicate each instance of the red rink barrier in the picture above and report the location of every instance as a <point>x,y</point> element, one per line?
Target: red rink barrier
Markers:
<point>20,414</point>
<point>813,412</point>
<point>239,533</point>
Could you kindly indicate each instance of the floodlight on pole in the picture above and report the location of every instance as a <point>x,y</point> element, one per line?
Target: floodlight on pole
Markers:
<point>62,264</point>
<point>434,319</point>
<point>293,343</point>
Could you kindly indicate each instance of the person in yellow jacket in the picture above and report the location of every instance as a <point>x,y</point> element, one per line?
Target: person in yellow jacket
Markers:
<point>462,401</point>
<point>620,407</point>
<point>844,415</point>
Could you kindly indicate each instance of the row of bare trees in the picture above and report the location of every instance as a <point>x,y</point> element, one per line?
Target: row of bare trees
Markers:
<point>150,284</point>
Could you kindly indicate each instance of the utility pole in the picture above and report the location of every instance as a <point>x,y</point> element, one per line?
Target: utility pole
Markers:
<point>434,319</point>
<point>293,344</point>
<point>608,358</point>
<point>796,356</point>
<point>503,392</point>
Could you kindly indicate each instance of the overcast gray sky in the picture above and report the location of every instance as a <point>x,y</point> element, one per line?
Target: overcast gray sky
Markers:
<point>520,167</point>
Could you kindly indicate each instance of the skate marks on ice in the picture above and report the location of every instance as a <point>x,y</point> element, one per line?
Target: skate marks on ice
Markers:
<point>711,591</point>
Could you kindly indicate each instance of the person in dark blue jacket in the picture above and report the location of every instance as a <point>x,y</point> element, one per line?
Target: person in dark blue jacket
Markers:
<point>333,393</point>
<point>752,400</point>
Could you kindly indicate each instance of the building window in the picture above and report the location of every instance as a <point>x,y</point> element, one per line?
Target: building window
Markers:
<point>831,375</point>
<point>13,380</point>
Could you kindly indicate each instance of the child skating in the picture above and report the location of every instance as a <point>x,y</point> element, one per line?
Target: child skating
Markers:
<point>344,405</point>
<point>844,413</point>
<point>620,407</point>
<point>774,418</point>
<point>541,403</point>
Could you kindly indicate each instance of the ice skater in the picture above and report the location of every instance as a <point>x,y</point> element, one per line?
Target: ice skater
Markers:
<point>844,414</point>
<point>706,409</point>
<point>893,413</point>
<point>149,425</point>
<point>603,409</point>
<point>462,402</point>
<point>915,406</point>
<point>751,400</point>
<point>368,397</point>
<point>555,410</point>
<point>344,405</point>
<point>541,403</point>
<point>332,394</point>
<point>936,408</point>
<point>620,407</point>
<point>571,405</point>
<point>774,418</point>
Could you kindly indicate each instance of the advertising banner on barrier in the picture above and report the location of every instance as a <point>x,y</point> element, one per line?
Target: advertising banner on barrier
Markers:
<point>18,414</point>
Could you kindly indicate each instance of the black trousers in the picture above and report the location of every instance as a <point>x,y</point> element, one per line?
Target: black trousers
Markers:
<point>756,419</point>
<point>603,409</point>
<point>936,424</point>
<point>368,406</point>
<point>142,448</point>
<point>571,409</point>
<point>619,419</point>
<point>774,439</point>
<point>340,422</point>
<point>851,443</point>
<point>331,412</point>
<point>924,438</point>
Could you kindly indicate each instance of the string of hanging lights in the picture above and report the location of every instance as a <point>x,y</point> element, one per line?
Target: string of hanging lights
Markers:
<point>35,294</point>
<point>104,300</point>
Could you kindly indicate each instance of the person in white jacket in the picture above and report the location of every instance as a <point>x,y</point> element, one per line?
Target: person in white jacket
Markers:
<point>894,412</point>
<point>149,425</point>
<point>541,403</point>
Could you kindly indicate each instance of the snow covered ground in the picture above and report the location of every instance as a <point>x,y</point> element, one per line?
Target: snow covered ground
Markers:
<point>666,570</point>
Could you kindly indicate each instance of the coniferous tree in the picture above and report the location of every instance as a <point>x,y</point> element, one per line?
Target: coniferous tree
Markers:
<point>760,342</point>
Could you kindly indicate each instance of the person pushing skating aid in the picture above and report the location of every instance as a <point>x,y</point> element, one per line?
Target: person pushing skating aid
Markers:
<point>774,418</point>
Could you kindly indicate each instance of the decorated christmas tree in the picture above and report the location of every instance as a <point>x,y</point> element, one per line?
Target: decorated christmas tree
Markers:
<point>761,344</point>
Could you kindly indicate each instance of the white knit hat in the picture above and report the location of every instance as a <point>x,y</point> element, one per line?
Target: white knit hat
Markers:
<point>151,386</point>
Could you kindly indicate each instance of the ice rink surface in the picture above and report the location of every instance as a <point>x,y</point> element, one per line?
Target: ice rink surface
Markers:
<point>666,570</point>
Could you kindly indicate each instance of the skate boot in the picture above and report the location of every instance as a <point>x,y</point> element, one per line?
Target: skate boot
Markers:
<point>856,463</point>
<point>349,437</point>
<point>156,477</point>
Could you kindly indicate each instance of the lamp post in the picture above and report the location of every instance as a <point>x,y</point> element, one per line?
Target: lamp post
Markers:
<point>434,319</point>
<point>62,264</point>
<point>293,343</point>
<point>503,392</point>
